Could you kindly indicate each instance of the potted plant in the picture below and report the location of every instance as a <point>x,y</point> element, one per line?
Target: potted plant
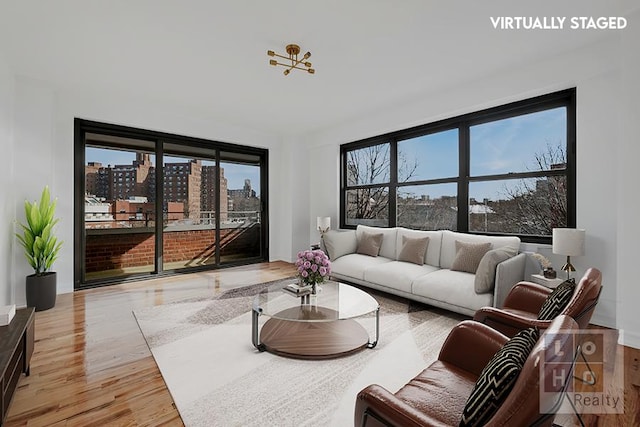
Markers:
<point>41,249</point>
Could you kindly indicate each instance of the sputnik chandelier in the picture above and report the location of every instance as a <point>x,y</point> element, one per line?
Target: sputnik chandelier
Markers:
<point>293,62</point>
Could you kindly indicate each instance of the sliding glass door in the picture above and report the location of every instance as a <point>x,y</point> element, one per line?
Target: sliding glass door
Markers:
<point>208,199</point>
<point>241,226</point>
<point>119,214</point>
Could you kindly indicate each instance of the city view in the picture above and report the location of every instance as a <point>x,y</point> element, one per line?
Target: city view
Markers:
<point>123,194</point>
<point>121,197</point>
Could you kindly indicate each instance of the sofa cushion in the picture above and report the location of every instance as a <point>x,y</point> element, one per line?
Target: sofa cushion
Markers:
<point>468,256</point>
<point>448,249</point>
<point>413,249</point>
<point>388,248</point>
<point>354,265</point>
<point>557,300</point>
<point>486,272</point>
<point>369,244</point>
<point>455,288</point>
<point>498,378</point>
<point>432,254</point>
<point>339,243</point>
<point>396,274</point>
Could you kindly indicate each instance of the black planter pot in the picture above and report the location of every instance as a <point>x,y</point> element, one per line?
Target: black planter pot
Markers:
<point>41,291</point>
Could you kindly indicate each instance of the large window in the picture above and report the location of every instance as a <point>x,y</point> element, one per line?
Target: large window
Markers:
<point>505,170</point>
<point>149,203</point>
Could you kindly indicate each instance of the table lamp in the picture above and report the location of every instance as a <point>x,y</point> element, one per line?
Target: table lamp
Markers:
<point>569,242</point>
<point>323,224</point>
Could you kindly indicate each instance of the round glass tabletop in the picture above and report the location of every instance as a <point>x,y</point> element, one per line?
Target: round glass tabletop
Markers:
<point>333,301</point>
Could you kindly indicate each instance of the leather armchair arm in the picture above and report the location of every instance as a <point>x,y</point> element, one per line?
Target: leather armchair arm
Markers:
<point>467,336</point>
<point>508,322</point>
<point>527,296</point>
<point>376,406</point>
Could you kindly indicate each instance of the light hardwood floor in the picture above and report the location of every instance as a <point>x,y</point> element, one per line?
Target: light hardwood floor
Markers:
<point>92,366</point>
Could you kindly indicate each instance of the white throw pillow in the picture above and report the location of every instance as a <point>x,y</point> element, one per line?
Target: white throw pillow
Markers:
<point>486,272</point>
<point>339,243</point>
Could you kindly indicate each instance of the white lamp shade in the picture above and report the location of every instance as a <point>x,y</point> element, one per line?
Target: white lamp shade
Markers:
<point>324,222</point>
<point>568,241</point>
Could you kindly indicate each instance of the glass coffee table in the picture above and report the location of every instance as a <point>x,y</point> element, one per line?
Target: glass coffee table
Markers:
<point>320,326</point>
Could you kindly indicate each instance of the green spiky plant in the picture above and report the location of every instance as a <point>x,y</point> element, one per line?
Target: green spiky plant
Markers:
<point>41,247</point>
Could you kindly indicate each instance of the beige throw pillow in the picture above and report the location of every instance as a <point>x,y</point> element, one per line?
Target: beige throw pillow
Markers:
<point>369,244</point>
<point>468,256</point>
<point>413,249</point>
<point>486,272</point>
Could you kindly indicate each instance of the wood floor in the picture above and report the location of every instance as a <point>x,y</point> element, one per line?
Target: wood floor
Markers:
<point>92,367</point>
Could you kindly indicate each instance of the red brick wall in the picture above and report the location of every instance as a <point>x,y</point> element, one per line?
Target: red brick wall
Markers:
<point>108,250</point>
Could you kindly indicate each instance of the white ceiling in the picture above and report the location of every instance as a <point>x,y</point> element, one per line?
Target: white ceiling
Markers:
<point>208,57</point>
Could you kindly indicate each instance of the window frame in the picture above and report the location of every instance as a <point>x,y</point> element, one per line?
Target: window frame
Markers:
<point>564,98</point>
<point>158,140</point>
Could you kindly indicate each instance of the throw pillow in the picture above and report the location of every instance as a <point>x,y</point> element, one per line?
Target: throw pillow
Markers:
<point>413,249</point>
<point>369,244</point>
<point>486,272</point>
<point>498,378</point>
<point>339,243</point>
<point>468,256</point>
<point>557,300</point>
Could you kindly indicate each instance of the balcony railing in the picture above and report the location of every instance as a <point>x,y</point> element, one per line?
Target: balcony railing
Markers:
<point>129,220</point>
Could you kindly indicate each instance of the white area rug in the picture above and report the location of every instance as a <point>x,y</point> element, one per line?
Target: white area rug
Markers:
<point>217,378</point>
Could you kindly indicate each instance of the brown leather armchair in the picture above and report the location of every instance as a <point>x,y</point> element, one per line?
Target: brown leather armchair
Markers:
<point>437,396</point>
<point>523,303</point>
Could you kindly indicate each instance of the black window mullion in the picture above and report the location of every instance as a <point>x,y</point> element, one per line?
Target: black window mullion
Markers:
<point>159,207</point>
<point>216,203</point>
<point>463,176</point>
<point>393,183</point>
<point>571,160</point>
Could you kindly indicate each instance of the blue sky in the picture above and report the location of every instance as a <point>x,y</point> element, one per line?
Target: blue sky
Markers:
<point>497,147</point>
<point>235,173</point>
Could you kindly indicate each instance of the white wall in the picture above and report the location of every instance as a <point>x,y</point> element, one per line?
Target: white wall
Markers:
<point>595,70</point>
<point>7,205</point>
<point>43,138</point>
<point>628,178</point>
<point>34,167</point>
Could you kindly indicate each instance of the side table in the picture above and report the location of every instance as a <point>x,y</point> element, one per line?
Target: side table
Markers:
<point>16,348</point>
<point>549,283</point>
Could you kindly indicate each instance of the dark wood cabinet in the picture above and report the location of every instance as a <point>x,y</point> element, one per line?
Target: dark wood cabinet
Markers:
<point>16,348</point>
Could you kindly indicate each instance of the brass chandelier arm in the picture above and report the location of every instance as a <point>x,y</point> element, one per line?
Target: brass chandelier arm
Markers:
<point>289,66</point>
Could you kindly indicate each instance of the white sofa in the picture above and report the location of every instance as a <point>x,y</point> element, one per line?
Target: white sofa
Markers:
<point>434,282</point>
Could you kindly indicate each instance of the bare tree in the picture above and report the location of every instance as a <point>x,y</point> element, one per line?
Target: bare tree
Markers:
<point>536,205</point>
<point>372,166</point>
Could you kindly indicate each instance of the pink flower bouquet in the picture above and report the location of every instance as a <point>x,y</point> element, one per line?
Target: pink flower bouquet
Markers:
<point>313,266</point>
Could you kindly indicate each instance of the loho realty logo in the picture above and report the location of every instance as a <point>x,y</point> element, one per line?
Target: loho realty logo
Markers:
<point>590,382</point>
